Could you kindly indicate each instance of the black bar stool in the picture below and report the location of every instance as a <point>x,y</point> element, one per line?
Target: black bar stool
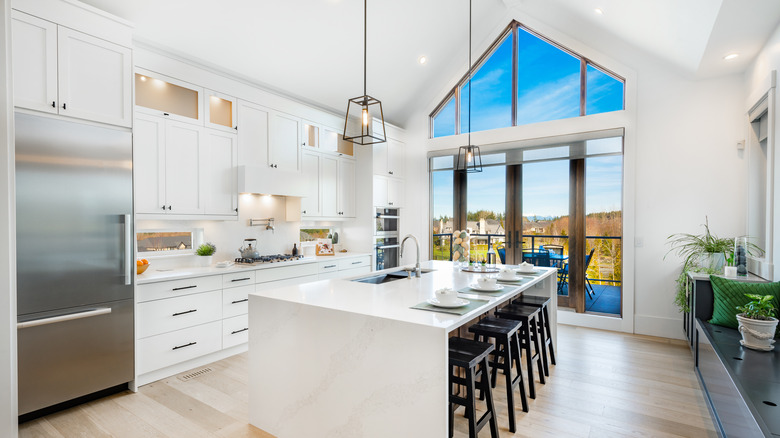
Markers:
<point>507,342</point>
<point>528,335</point>
<point>469,355</point>
<point>544,324</point>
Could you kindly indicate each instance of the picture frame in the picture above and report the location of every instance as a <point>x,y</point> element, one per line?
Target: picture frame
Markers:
<point>325,247</point>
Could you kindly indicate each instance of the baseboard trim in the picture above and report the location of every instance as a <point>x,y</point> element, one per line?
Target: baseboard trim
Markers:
<point>172,370</point>
<point>658,326</point>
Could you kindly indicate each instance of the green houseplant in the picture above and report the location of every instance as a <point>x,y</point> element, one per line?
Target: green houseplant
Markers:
<point>205,252</point>
<point>757,323</point>
<point>705,253</point>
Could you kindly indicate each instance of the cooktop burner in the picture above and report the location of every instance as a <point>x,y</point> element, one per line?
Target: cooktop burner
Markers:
<point>273,258</point>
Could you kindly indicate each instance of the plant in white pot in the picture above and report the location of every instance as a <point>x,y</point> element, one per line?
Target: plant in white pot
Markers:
<point>206,252</point>
<point>757,323</point>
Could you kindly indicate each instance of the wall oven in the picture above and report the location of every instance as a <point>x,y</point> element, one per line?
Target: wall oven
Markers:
<point>386,242</point>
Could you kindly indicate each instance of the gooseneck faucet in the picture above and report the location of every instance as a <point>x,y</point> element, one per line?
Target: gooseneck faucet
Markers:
<point>417,270</point>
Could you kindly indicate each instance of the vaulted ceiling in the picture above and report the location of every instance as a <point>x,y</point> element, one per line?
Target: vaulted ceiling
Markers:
<point>313,49</point>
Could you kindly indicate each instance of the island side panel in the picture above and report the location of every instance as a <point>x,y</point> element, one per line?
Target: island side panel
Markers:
<point>328,373</point>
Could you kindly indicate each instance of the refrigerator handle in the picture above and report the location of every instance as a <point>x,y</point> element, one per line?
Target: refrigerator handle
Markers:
<point>128,251</point>
<point>63,318</point>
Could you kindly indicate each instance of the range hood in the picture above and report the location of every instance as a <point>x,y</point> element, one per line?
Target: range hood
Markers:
<point>265,181</point>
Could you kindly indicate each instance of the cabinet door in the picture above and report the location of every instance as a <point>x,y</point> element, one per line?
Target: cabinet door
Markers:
<point>329,185</point>
<point>311,135</point>
<point>380,191</point>
<point>149,164</point>
<point>221,188</point>
<point>183,174</point>
<point>346,187</point>
<point>395,192</point>
<point>285,142</point>
<point>395,158</point>
<point>252,135</point>
<point>35,62</point>
<point>310,203</point>
<point>220,111</point>
<point>379,151</point>
<point>94,78</point>
<point>329,140</point>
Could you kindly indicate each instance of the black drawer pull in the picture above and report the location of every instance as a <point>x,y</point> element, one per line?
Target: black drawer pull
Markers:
<point>185,345</point>
<point>330,266</point>
<point>240,301</point>
<point>241,279</point>
<point>185,287</point>
<point>239,331</point>
<point>185,312</point>
<point>357,263</point>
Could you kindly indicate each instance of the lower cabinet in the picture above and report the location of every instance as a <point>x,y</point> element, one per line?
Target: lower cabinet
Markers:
<point>235,331</point>
<point>168,349</point>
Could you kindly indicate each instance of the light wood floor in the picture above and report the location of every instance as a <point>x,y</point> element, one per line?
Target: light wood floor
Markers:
<point>605,385</point>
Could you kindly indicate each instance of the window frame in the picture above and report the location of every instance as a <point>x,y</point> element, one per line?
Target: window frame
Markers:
<point>512,29</point>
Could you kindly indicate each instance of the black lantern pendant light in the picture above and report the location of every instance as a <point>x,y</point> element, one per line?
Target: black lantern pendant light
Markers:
<point>361,111</point>
<point>469,157</point>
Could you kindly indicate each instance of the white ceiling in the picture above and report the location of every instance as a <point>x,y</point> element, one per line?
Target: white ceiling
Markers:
<point>312,49</point>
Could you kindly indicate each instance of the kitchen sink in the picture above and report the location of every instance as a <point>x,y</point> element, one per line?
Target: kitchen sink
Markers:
<point>388,277</point>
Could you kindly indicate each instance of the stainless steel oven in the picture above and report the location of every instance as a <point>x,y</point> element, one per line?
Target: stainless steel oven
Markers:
<point>386,242</point>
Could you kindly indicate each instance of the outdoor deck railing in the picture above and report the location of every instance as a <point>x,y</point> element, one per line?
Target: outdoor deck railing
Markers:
<point>442,250</point>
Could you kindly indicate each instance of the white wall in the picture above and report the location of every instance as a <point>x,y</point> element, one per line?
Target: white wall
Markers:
<point>681,165</point>
<point>8,403</point>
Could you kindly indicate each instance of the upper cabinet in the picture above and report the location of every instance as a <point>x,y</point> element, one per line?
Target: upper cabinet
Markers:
<point>388,158</point>
<point>220,111</point>
<point>62,71</point>
<point>284,151</point>
<point>325,139</point>
<point>268,138</point>
<point>163,96</point>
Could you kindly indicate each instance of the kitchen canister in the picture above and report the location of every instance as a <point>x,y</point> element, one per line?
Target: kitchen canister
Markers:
<point>461,246</point>
<point>740,255</point>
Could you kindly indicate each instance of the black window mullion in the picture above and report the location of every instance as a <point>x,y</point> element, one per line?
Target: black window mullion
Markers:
<point>583,84</point>
<point>515,72</point>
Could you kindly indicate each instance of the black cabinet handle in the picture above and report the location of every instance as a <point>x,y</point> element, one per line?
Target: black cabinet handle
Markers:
<point>64,106</point>
<point>185,312</point>
<point>391,172</point>
<point>356,263</point>
<point>239,331</point>
<point>236,209</point>
<point>185,287</point>
<point>169,208</point>
<point>241,279</point>
<point>163,208</point>
<point>236,128</point>
<point>304,212</point>
<point>240,301</point>
<point>166,114</point>
<point>185,345</point>
<point>53,104</point>
<point>330,266</point>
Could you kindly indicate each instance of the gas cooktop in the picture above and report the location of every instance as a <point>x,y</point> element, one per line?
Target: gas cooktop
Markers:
<point>273,258</point>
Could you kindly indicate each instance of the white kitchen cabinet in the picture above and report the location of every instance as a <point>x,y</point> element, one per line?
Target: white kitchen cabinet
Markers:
<point>285,141</point>
<point>220,111</point>
<point>310,170</point>
<point>388,158</point>
<point>346,188</point>
<point>171,98</point>
<point>149,164</point>
<point>388,192</point>
<point>62,71</point>
<point>184,165</point>
<point>220,189</point>
<point>325,139</point>
<point>329,185</point>
<point>253,130</point>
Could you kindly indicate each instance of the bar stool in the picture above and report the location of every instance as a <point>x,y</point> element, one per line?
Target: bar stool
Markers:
<point>528,335</point>
<point>507,343</point>
<point>471,355</point>
<point>544,324</point>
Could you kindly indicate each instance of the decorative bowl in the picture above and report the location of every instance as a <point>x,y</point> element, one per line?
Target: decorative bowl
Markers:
<point>139,269</point>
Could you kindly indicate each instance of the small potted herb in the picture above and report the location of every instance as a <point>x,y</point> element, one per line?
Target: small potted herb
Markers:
<point>757,323</point>
<point>206,252</point>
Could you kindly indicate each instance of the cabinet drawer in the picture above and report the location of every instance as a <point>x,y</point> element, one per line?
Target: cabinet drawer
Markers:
<point>323,267</point>
<point>235,331</point>
<point>235,301</point>
<point>171,348</point>
<point>163,316</point>
<point>355,272</point>
<point>288,282</point>
<point>175,288</point>
<point>238,278</point>
<point>353,263</point>
<point>285,272</point>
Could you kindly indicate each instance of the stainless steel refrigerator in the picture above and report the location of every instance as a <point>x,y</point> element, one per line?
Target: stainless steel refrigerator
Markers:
<point>75,264</point>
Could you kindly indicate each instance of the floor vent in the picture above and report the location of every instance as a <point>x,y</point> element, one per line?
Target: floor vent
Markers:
<point>194,374</point>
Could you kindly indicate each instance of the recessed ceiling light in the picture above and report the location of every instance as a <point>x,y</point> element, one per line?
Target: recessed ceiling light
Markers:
<point>423,59</point>
<point>598,11</point>
<point>730,56</point>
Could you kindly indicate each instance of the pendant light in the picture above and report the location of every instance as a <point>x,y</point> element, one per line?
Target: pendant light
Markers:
<point>469,157</point>
<point>361,111</point>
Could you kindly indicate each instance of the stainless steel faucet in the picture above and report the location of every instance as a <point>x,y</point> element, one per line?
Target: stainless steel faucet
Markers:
<point>417,270</point>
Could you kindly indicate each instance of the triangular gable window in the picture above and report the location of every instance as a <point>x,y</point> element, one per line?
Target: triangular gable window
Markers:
<point>548,86</point>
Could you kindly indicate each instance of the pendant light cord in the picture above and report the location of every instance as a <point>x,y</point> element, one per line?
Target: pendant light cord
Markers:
<point>469,67</point>
<point>365,44</point>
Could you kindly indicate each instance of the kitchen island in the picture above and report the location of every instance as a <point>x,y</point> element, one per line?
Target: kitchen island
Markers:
<point>340,358</point>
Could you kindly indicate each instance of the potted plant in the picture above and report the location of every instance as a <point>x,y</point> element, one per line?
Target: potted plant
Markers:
<point>757,323</point>
<point>206,252</point>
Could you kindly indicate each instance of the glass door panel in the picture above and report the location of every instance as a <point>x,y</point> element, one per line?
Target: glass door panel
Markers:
<point>221,111</point>
<point>603,230</point>
<point>442,192</point>
<point>166,97</point>
<point>486,210</point>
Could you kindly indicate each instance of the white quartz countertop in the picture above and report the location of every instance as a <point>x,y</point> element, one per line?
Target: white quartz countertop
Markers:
<point>393,300</point>
<point>153,275</point>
